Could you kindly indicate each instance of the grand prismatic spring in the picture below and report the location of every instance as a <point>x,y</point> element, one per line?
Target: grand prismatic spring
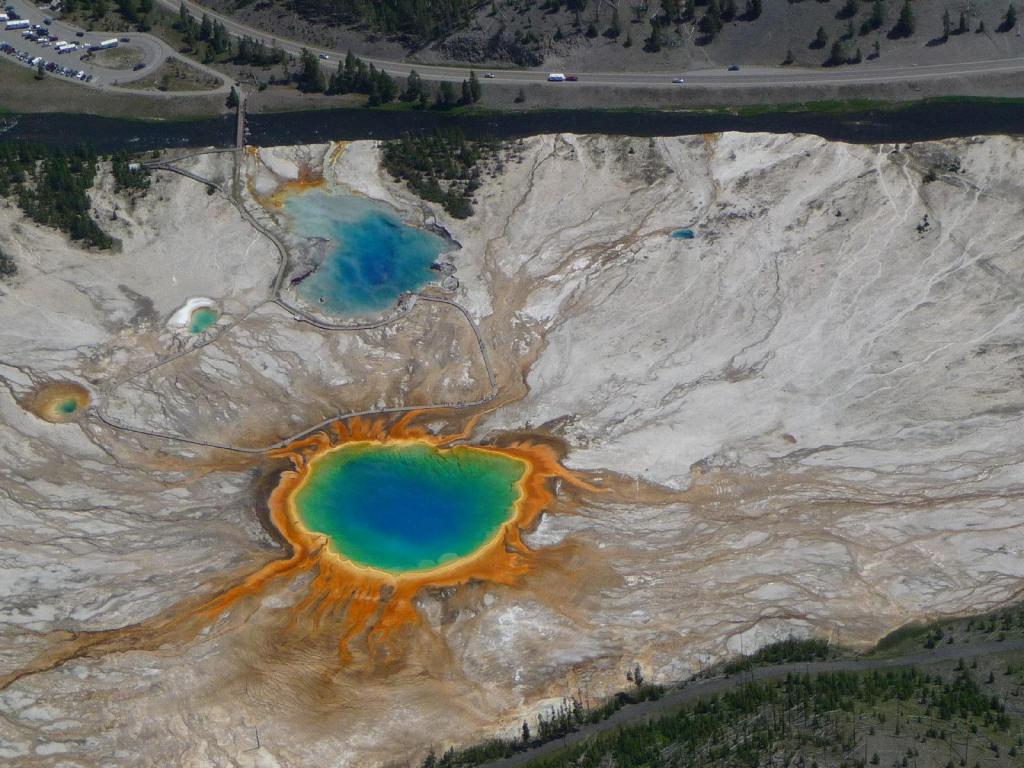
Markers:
<point>376,511</point>
<point>407,506</point>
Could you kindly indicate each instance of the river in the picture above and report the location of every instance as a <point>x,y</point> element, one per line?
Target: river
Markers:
<point>917,122</point>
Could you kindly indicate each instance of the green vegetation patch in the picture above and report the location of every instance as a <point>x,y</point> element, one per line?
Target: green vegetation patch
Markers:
<point>443,167</point>
<point>997,626</point>
<point>414,19</point>
<point>792,649</point>
<point>51,187</point>
<point>836,718</point>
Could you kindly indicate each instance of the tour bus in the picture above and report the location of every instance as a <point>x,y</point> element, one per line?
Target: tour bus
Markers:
<point>19,24</point>
<point>556,77</point>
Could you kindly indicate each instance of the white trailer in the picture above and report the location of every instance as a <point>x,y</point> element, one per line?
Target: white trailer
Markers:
<point>19,24</point>
<point>111,43</point>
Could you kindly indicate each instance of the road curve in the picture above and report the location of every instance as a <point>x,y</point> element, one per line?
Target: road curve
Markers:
<point>690,692</point>
<point>866,73</point>
<point>155,52</point>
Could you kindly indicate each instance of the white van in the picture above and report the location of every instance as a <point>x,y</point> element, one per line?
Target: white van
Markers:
<point>556,77</point>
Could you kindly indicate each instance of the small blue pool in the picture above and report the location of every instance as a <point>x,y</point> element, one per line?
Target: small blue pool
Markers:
<point>683,234</point>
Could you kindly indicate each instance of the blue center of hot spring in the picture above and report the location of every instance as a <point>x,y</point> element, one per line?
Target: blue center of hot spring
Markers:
<point>408,506</point>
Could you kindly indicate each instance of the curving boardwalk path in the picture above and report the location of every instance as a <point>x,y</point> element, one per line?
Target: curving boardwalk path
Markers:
<point>98,408</point>
<point>687,693</point>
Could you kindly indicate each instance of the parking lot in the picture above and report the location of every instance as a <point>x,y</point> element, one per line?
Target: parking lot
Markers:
<point>64,51</point>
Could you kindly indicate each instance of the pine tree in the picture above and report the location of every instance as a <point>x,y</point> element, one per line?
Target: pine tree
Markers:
<point>475,91</point>
<point>820,38</point>
<point>615,28</point>
<point>711,22</point>
<point>961,28</point>
<point>946,24</point>
<point>446,97</point>
<point>905,24</point>
<point>754,8</point>
<point>1010,20</point>
<point>413,86</point>
<point>837,56</point>
<point>655,38</point>
<point>311,78</point>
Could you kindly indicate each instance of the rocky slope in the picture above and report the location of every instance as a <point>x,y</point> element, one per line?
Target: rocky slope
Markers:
<point>806,417</point>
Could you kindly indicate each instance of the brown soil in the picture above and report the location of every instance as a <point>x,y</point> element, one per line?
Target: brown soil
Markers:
<point>21,92</point>
<point>174,75</point>
<point>122,57</point>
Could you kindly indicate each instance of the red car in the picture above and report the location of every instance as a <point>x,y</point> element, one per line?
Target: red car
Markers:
<point>571,78</point>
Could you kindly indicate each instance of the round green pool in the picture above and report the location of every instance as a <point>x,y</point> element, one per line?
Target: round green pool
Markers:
<point>202,319</point>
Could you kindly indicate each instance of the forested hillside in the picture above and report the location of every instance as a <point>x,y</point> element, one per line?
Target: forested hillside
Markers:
<point>419,19</point>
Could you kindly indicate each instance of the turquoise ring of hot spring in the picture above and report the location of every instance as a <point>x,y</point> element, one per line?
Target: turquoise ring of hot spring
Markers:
<point>408,506</point>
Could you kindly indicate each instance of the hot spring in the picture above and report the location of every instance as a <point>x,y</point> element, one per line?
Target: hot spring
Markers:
<point>202,319</point>
<point>59,401</point>
<point>374,256</point>
<point>408,506</point>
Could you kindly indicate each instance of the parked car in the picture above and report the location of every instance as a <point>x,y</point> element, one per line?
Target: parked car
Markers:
<point>79,33</point>
<point>734,67</point>
<point>126,39</point>
<point>324,56</point>
<point>138,66</point>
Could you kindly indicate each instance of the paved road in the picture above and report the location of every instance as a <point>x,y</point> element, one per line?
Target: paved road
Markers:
<point>868,72</point>
<point>690,692</point>
<point>154,52</point>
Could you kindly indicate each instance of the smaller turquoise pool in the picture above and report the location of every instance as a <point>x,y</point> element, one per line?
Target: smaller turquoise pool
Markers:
<point>202,319</point>
<point>68,406</point>
<point>683,234</point>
